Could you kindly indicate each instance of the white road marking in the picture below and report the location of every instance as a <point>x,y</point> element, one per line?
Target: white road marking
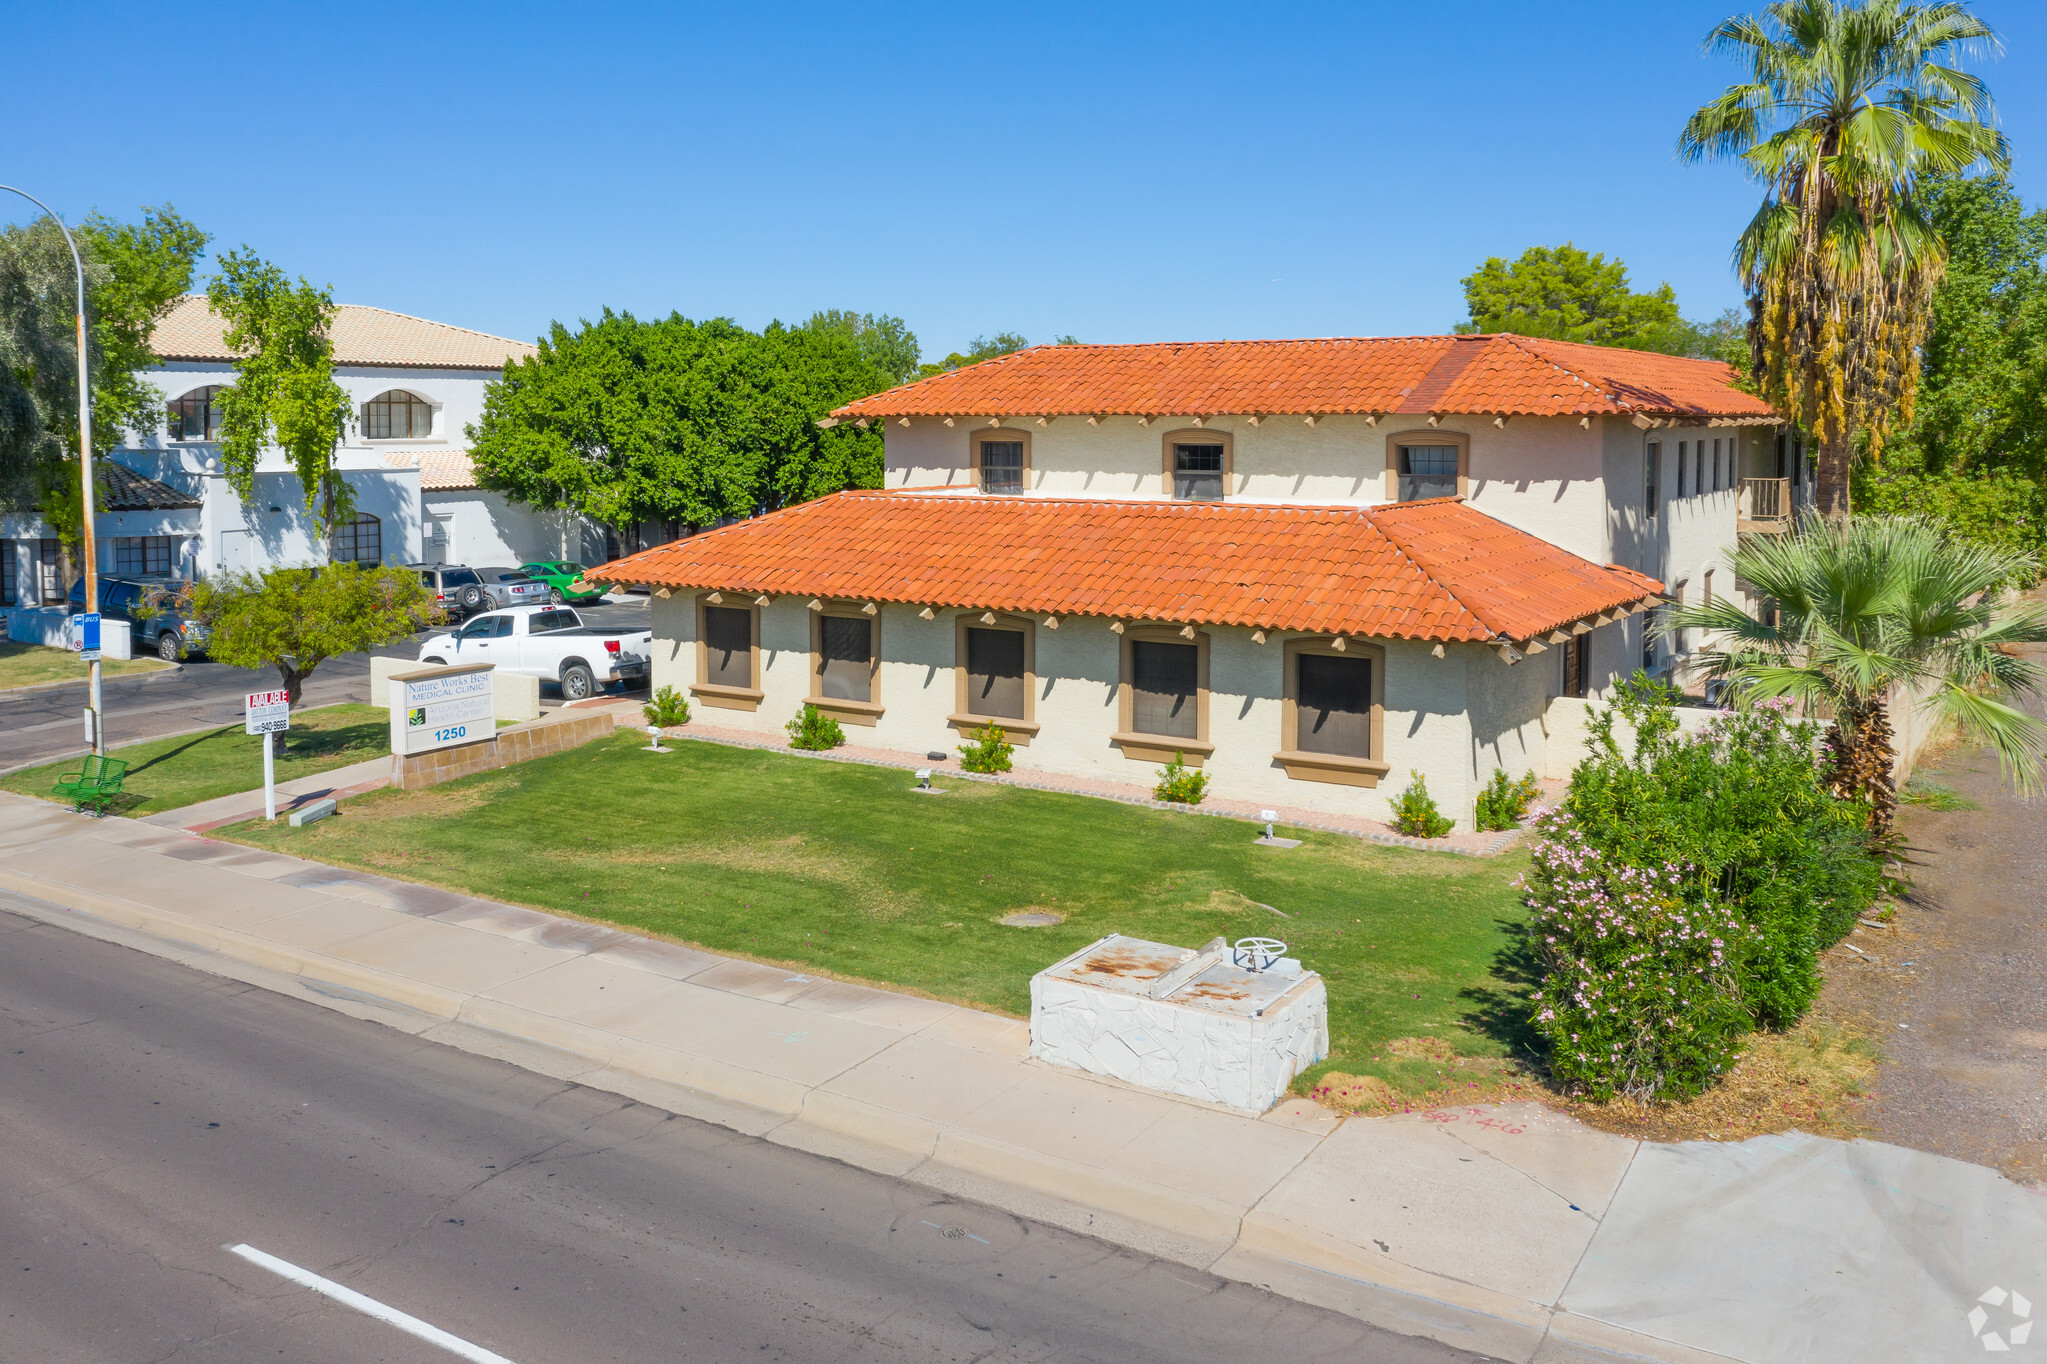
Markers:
<point>348,1297</point>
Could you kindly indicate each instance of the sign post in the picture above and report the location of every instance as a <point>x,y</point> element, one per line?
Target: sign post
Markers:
<point>267,713</point>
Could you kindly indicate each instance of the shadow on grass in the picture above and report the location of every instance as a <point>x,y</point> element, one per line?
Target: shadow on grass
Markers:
<point>185,747</point>
<point>1501,1009</point>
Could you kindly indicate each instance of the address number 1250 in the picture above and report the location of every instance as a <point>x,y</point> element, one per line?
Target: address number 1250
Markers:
<point>443,735</point>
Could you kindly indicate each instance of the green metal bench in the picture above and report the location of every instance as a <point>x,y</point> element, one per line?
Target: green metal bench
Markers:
<point>94,784</point>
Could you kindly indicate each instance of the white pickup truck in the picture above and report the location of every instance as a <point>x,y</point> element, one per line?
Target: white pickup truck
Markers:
<point>548,642</point>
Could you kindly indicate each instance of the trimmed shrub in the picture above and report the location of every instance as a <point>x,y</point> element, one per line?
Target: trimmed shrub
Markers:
<point>1181,784</point>
<point>813,729</point>
<point>988,752</point>
<point>1504,801</point>
<point>666,709</point>
<point>1415,813</point>
<point>1641,992</point>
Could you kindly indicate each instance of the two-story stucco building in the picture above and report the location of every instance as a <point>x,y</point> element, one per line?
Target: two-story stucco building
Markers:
<point>1307,566</point>
<point>415,387</point>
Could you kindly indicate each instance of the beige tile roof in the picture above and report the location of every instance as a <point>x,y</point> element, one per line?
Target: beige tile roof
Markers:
<point>440,471</point>
<point>362,336</point>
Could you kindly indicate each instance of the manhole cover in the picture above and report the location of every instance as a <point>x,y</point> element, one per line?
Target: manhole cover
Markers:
<point>1033,918</point>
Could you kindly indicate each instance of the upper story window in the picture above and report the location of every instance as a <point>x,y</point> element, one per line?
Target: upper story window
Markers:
<point>397,415</point>
<point>1423,464</point>
<point>1197,472</point>
<point>1652,465</point>
<point>1001,460</point>
<point>194,417</point>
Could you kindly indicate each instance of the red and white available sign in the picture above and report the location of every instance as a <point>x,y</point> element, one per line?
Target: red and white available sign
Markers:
<point>266,712</point>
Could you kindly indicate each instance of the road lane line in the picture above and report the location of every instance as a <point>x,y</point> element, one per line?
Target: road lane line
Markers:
<point>348,1297</point>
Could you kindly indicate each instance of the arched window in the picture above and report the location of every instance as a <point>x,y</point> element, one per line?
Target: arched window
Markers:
<point>397,415</point>
<point>358,542</point>
<point>194,417</point>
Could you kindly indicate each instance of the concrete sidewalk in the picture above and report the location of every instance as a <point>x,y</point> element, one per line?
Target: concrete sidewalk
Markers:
<point>337,783</point>
<point>1512,1232</point>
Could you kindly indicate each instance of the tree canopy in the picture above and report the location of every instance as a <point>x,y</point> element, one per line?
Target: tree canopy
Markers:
<point>884,342</point>
<point>983,348</point>
<point>295,619</point>
<point>1846,104</point>
<point>628,421</point>
<point>134,271</point>
<point>284,389</point>
<point>1567,294</point>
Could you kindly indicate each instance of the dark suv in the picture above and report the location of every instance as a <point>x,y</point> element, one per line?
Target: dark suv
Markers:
<point>156,609</point>
<point>458,591</point>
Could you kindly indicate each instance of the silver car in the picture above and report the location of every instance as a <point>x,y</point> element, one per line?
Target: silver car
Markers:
<point>509,587</point>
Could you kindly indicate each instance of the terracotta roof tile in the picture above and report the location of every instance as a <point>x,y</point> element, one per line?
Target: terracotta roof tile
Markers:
<point>1434,570</point>
<point>1499,374</point>
<point>362,336</point>
<point>440,471</point>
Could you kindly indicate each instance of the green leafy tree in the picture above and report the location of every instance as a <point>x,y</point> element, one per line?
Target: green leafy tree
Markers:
<point>885,343</point>
<point>1845,107</point>
<point>1976,454</point>
<point>1856,613</point>
<point>133,273</point>
<point>1566,294</point>
<point>284,390</point>
<point>628,421</point>
<point>295,619</point>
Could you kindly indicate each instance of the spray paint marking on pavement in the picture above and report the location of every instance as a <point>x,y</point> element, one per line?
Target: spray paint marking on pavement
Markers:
<point>370,1307</point>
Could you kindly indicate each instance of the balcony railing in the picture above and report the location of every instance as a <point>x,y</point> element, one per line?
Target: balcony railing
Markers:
<point>1765,505</point>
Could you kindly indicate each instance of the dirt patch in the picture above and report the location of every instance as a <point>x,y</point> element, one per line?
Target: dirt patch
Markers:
<point>1809,1078</point>
<point>1034,916</point>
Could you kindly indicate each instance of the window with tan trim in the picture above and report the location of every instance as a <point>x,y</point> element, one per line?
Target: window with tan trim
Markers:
<point>1197,465</point>
<point>728,652</point>
<point>1162,696</point>
<point>1332,712</point>
<point>845,663</point>
<point>1420,464</point>
<point>1000,459</point>
<point>995,674</point>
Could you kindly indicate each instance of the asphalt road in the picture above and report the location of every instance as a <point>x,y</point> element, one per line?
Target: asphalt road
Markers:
<point>41,724</point>
<point>153,1115</point>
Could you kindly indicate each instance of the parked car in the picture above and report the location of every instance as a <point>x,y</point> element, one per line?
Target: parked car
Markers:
<point>512,587</point>
<point>564,579</point>
<point>548,642</point>
<point>156,612</point>
<point>457,590</point>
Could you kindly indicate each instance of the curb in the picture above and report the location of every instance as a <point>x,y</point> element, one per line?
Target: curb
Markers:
<point>1204,1233</point>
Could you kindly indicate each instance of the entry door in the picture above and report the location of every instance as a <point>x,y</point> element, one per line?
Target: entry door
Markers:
<point>440,534</point>
<point>237,552</point>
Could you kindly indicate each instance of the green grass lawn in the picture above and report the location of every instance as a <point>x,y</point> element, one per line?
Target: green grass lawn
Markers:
<point>24,665</point>
<point>838,868</point>
<point>164,774</point>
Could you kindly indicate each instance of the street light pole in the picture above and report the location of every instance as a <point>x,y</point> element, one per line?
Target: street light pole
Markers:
<point>91,540</point>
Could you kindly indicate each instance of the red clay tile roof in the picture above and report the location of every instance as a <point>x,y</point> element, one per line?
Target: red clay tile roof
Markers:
<point>1500,374</point>
<point>1420,570</point>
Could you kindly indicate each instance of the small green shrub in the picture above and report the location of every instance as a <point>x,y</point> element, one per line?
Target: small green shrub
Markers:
<point>667,709</point>
<point>988,752</point>
<point>1415,813</point>
<point>813,729</point>
<point>1504,801</point>
<point>1180,784</point>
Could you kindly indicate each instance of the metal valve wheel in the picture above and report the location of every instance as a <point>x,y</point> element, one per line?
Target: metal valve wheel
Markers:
<point>1257,954</point>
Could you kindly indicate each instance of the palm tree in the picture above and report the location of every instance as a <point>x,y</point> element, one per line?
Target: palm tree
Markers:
<point>1846,106</point>
<point>1857,613</point>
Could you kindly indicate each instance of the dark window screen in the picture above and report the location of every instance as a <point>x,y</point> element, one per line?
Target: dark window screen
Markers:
<point>1164,681</point>
<point>1333,708</point>
<point>995,673</point>
<point>1001,466</point>
<point>728,646</point>
<point>1198,473</point>
<point>843,671</point>
<point>10,576</point>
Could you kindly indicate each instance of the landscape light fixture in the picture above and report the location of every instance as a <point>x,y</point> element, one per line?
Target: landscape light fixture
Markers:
<point>654,733</point>
<point>95,716</point>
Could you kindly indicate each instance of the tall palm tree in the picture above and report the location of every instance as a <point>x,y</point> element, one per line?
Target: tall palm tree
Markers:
<point>1847,104</point>
<point>1856,613</point>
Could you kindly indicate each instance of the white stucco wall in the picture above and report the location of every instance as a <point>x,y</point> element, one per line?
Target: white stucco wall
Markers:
<point>486,528</point>
<point>1452,718</point>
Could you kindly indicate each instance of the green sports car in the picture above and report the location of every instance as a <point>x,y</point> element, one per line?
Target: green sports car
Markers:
<point>564,581</point>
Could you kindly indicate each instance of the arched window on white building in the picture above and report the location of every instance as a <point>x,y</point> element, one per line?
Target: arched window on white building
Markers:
<point>397,415</point>
<point>360,541</point>
<point>194,416</point>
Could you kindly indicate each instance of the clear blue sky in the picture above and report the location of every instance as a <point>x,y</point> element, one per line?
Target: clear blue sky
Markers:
<point>1120,172</point>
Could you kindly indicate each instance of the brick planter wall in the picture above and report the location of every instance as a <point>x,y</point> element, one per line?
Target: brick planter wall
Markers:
<point>507,746</point>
